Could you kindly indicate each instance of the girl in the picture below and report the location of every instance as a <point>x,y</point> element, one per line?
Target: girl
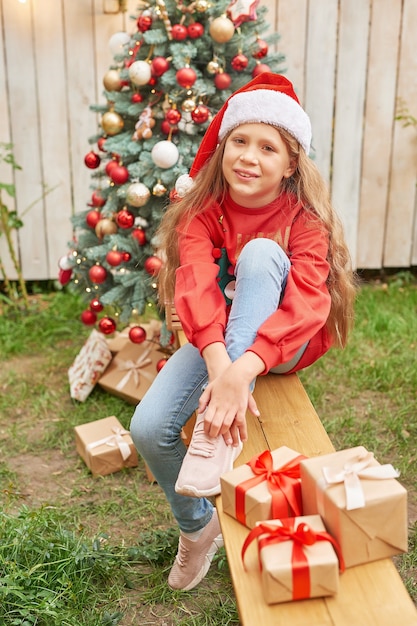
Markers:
<point>256,263</point>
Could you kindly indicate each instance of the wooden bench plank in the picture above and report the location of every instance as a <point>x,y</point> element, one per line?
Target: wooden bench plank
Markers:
<point>370,595</point>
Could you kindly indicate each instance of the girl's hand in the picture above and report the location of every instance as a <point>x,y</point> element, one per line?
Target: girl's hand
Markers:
<point>227,398</point>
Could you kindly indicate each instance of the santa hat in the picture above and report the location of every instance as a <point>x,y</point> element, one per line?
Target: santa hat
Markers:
<point>268,98</point>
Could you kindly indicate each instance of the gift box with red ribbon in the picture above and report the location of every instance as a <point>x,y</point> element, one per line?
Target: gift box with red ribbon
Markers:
<point>132,371</point>
<point>105,446</point>
<point>88,366</point>
<point>362,504</point>
<point>298,559</point>
<point>267,487</point>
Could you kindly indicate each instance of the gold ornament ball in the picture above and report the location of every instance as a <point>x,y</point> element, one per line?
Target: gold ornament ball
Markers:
<point>188,105</point>
<point>105,226</point>
<point>159,190</point>
<point>222,29</point>
<point>137,194</point>
<point>213,67</point>
<point>112,81</point>
<point>112,123</point>
<point>201,6</point>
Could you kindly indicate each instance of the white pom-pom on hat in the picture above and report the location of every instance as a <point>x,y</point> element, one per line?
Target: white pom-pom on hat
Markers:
<point>183,184</point>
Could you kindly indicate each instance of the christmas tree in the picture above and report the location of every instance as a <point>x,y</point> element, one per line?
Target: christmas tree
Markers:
<point>167,81</point>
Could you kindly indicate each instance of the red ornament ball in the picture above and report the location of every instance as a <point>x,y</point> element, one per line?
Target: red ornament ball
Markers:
<point>259,68</point>
<point>114,257</point>
<point>88,317</point>
<point>195,30</point>
<point>96,306</point>
<point>92,218</point>
<point>144,23</point>
<point>107,325</point>
<point>101,144</point>
<point>126,257</point>
<point>137,334</point>
<point>222,80</point>
<point>160,364</point>
<point>262,49</point>
<point>110,165</point>
<point>139,235</point>
<point>125,218</point>
<point>97,274</point>
<point>97,199</point>
<point>186,77</point>
<point>136,98</point>
<point>173,116</point>
<point>159,66</point>
<point>92,160</point>
<point>200,114</point>
<point>166,128</point>
<point>152,265</point>
<point>119,174</point>
<point>240,62</point>
<point>179,32</point>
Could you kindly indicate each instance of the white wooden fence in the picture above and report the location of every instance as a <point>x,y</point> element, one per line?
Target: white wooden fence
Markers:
<point>352,62</point>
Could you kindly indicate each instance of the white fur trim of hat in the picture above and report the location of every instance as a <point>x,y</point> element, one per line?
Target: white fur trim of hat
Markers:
<point>269,107</point>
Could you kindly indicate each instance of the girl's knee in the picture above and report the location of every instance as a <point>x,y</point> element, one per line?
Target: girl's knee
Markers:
<point>260,252</point>
<point>143,428</point>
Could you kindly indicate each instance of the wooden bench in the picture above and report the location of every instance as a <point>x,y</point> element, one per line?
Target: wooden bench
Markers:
<point>370,595</point>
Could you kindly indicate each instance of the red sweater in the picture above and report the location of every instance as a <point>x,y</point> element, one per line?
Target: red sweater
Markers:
<point>305,307</point>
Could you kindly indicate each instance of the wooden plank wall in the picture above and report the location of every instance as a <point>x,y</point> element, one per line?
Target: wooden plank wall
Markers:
<point>351,63</point>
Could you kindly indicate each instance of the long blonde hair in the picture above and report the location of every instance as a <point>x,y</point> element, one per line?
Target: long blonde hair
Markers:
<point>311,190</point>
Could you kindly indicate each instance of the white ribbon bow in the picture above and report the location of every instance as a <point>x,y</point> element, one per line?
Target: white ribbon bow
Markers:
<point>134,369</point>
<point>113,441</point>
<point>350,475</point>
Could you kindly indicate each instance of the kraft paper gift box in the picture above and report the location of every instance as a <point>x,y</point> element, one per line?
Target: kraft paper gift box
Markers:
<point>105,446</point>
<point>88,366</point>
<point>362,504</point>
<point>298,559</point>
<point>267,487</point>
<point>121,338</point>
<point>132,371</point>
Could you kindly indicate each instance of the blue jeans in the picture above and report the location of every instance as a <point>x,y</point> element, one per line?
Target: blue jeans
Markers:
<point>261,274</point>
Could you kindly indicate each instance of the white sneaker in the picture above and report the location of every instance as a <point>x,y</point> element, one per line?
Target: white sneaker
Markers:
<point>206,460</point>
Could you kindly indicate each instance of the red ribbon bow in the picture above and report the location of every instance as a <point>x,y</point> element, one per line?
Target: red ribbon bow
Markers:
<point>283,484</point>
<point>302,536</point>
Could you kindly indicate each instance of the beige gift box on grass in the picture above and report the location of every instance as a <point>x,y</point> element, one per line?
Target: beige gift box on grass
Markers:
<point>105,446</point>
<point>248,496</point>
<point>297,558</point>
<point>132,371</point>
<point>88,366</point>
<point>362,504</point>
<point>120,339</point>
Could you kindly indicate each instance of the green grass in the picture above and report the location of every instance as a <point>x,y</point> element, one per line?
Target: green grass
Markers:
<point>87,551</point>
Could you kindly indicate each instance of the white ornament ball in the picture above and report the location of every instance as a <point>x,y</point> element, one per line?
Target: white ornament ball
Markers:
<point>140,72</point>
<point>165,154</point>
<point>137,194</point>
<point>66,262</point>
<point>117,43</point>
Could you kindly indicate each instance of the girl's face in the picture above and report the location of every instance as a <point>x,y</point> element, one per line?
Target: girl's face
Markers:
<point>255,161</point>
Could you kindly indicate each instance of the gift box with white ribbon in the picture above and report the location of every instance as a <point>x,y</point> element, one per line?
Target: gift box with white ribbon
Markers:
<point>362,503</point>
<point>105,446</point>
<point>132,371</point>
